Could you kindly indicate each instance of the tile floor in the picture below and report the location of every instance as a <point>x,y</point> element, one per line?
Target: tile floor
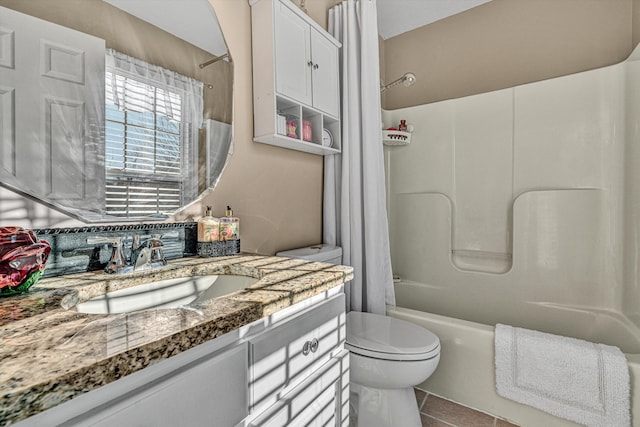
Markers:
<point>438,412</point>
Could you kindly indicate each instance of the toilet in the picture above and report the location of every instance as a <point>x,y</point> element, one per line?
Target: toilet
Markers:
<point>388,357</point>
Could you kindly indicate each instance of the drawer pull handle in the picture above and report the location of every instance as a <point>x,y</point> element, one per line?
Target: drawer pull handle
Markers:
<point>306,348</point>
<point>314,345</point>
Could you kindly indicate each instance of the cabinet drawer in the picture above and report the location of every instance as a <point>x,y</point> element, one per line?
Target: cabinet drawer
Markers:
<point>290,352</point>
<point>314,402</point>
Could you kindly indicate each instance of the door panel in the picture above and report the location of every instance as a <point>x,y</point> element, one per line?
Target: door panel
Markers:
<point>7,130</point>
<point>315,402</point>
<point>293,72</point>
<point>325,75</point>
<point>64,132</point>
<point>51,110</point>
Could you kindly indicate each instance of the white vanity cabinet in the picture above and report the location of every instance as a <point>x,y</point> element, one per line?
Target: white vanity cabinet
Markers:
<point>205,383</point>
<point>193,395</point>
<point>318,401</point>
<point>287,369</point>
<point>296,75</point>
<point>299,370</point>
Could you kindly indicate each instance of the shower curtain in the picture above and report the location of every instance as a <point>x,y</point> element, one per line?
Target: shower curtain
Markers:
<point>354,214</point>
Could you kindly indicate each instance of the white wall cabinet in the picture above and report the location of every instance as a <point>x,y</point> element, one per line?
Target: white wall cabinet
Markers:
<point>325,74</point>
<point>296,75</point>
<point>306,61</point>
<point>288,369</point>
<point>292,53</point>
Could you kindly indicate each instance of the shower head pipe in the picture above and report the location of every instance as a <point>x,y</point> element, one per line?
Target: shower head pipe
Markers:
<point>407,80</point>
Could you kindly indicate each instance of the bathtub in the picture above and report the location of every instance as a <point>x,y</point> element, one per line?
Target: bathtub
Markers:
<point>466,370</point>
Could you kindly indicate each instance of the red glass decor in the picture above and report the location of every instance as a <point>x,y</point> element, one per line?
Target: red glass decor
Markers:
<point>291,129</point>
<point>306,130</point>
<point>22,259</point>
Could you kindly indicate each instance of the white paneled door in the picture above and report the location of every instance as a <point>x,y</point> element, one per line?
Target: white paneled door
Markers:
<point>51,110</point>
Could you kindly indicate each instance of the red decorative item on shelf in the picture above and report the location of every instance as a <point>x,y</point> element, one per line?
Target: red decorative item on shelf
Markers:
<point>291,128</point>
<point>22,259</point>
<point>306,130</point>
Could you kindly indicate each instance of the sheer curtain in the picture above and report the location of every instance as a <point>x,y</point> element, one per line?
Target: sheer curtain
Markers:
<point>167,80</point>
<point>355,215</point>
<point>176,102</point>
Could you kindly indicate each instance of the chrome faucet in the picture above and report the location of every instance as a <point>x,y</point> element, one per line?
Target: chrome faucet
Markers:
<point>147,254</point>
<point>142,256</point>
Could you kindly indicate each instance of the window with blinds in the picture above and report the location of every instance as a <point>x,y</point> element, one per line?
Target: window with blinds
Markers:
<point>143,147</point>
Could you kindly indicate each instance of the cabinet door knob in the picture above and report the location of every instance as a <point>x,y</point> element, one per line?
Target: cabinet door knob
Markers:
<point>310,63</point>
<point>314,345</point>
<point>316,66</point>
<point>306,348</point>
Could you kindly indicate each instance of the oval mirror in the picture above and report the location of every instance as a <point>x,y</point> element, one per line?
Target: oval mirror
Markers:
<point>113,110</point>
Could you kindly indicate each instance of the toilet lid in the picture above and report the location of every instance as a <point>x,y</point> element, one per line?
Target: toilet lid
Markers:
<point>385,337</point>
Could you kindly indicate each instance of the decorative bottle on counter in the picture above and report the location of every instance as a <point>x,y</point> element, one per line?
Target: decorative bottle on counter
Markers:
<point>229,226</point>
<point>208,227</point>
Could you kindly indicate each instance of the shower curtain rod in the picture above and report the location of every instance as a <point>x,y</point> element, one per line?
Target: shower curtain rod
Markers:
<point>216,59</point>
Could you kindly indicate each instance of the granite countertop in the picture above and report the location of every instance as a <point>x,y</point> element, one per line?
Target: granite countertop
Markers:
<point>50,353</point>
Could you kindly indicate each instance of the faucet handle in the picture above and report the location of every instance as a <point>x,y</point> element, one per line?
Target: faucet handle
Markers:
<point>157,254</point>
<point>135,242</point>
<point>117,262</point>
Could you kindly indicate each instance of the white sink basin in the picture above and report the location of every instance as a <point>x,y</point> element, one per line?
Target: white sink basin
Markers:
<point>170,293</point>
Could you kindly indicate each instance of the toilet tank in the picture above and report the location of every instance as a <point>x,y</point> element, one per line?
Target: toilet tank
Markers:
<point>317,253</point>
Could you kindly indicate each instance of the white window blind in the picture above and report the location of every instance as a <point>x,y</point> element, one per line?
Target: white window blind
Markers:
<point>151,137</point>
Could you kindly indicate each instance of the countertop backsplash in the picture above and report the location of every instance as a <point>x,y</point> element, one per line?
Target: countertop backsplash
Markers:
<point>70,252</point>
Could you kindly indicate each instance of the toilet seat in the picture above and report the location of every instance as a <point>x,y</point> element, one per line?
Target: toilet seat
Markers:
<point>383,337</point>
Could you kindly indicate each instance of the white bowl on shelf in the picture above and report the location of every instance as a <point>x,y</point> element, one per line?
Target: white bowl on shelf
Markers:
<point>327,138</point>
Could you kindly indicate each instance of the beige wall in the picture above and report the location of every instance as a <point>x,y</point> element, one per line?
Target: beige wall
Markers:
<point>505,43</point>
<point>277,193</point>
<point>636,22</point>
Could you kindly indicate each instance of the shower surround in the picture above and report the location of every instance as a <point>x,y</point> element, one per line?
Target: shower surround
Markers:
<point>522,206</point>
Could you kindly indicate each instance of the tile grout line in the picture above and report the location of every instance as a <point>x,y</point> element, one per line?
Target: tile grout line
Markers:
<point>439,420</point>
<point>424,401</point>
<point>431,416</point>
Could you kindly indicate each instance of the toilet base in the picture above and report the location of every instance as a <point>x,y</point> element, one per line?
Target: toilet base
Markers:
<point>370,407</point>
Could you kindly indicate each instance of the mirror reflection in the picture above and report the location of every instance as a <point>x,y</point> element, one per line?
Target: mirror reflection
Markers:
<point>113,109</point>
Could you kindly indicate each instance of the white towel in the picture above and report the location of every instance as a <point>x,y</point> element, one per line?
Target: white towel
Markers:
<point>570,378</point>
